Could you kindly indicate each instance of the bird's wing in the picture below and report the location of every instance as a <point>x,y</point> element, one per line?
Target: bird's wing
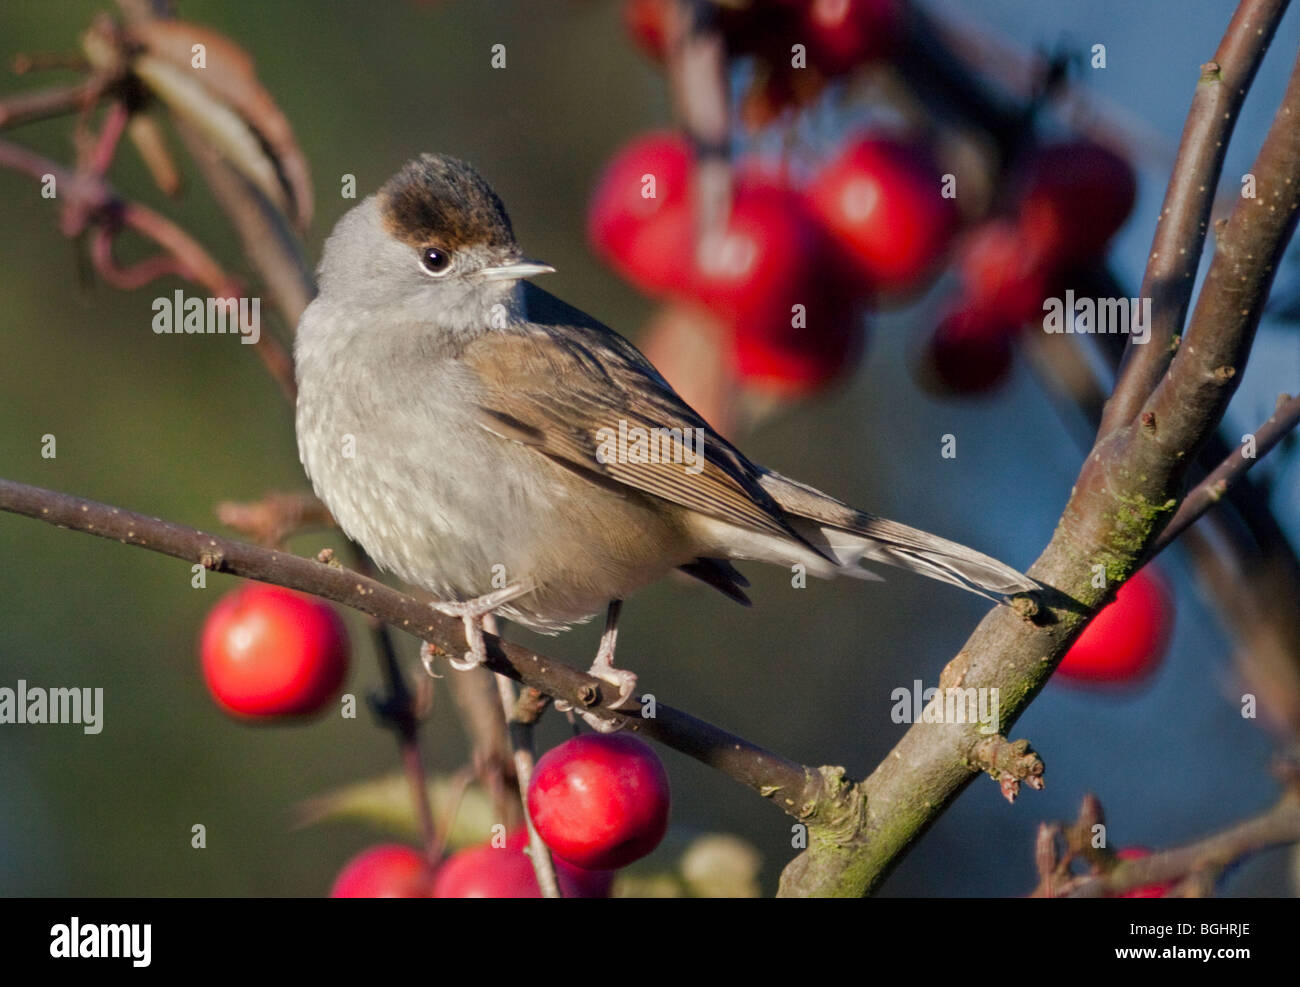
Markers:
<point>570,389</point>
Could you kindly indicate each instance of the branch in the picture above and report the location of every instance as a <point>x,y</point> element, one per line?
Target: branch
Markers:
<point>1184,215</point>
<point>1212,489</point>
<point>96,197</point>
<point>1127,490</point>
<point>521,741</point>
<point>1206,370</point>
<point>268,243</point>
<point>41,104</point>
<point>1202,860</point>
<point>801,791</point>
<point>1242,557</point>
<point>697,76</point>
<point>275,517</point>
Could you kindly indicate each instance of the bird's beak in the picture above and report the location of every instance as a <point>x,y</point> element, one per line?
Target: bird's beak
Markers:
<point>515,271</point>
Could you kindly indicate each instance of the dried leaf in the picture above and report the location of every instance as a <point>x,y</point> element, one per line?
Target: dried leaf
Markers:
<point>148,139</point>
<point>220,126</point>
<point>385,802</point>
<point>229,75</point>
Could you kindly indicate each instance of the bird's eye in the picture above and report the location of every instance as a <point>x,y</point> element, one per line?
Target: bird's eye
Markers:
<point>435,260</point>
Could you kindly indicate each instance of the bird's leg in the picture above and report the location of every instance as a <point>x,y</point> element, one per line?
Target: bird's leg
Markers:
<point>603,669</point>
<point>472,613</point>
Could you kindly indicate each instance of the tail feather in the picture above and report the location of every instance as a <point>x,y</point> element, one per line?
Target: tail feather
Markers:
<point>853,536</point>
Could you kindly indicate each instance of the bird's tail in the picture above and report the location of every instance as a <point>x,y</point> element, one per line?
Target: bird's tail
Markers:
<point>851,537</point>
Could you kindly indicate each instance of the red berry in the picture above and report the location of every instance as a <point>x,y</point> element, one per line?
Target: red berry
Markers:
<point>1004,278</point>
<point>268,651</point>
<point>969,353</point>
<point>646,22</point>
<point>1127,640</point>
<point>842,34</point>
<point>771,276</point>
<point>600,800</point>
<point>882,201</point>
<point>1076,195</point>
<point>507,872</point>
<point>640,218</point>
<point>387,871</point>
<point>794,360</point>
<point>1147,890</point>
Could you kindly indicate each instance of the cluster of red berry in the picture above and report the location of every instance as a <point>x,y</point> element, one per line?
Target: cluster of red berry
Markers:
<point>791,271</point>
<point>599,802</point>
<point>799,262</point>
<point>1072,198</point>
<point>795,266</point>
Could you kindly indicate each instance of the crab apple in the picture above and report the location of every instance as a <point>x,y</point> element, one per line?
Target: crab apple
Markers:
<point>268,651</point>
<point>387,871</point>
<point>489,871</point>
<point>600,800</point>
<point>1076,195</point>
<point>970,352</point>
<point>808,351</point>
<point>647,23</point>
<point>882,201</point>
<point>1005,279</point>
<point>772,277</point>
<point>1127,640</point>
<point>639,219</point>
<point>843,34</point>
<point>1147,890</point>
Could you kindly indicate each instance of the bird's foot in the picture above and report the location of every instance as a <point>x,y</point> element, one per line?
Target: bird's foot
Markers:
<point>472,612</point>
<point>603,668</point>
<point>620,678</point>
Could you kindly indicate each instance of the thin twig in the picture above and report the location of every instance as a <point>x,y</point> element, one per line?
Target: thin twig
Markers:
<point>276,517</point>
<point>1184,216</point>
<point>195,263</point>
<point>41,104</point>
<point>697,74</point>
<point>268,243</point>
<point>521,742</point>
<point>398,711</point>
<point>1214,487</point>
<point>1279,826</point>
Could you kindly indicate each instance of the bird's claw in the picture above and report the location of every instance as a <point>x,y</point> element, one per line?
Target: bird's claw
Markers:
<point>426,659</point>
<point>620,678</point>
<point>472,612</point>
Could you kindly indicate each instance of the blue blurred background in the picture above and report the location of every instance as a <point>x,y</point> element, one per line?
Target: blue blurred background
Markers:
<point>171,425</point>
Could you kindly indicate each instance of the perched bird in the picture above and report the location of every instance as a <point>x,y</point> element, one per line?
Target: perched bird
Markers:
<point>506,452</point>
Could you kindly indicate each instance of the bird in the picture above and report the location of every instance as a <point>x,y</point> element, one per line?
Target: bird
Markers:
<point>512,456</point>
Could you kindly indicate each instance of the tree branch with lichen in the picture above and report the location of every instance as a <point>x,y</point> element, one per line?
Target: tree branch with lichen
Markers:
<point>1130,485</point>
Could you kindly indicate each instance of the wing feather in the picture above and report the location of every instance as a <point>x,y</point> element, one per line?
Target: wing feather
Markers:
<point>565,388</point>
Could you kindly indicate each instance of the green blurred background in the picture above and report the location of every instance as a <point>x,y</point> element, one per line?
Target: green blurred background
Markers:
<point>171,425</point>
